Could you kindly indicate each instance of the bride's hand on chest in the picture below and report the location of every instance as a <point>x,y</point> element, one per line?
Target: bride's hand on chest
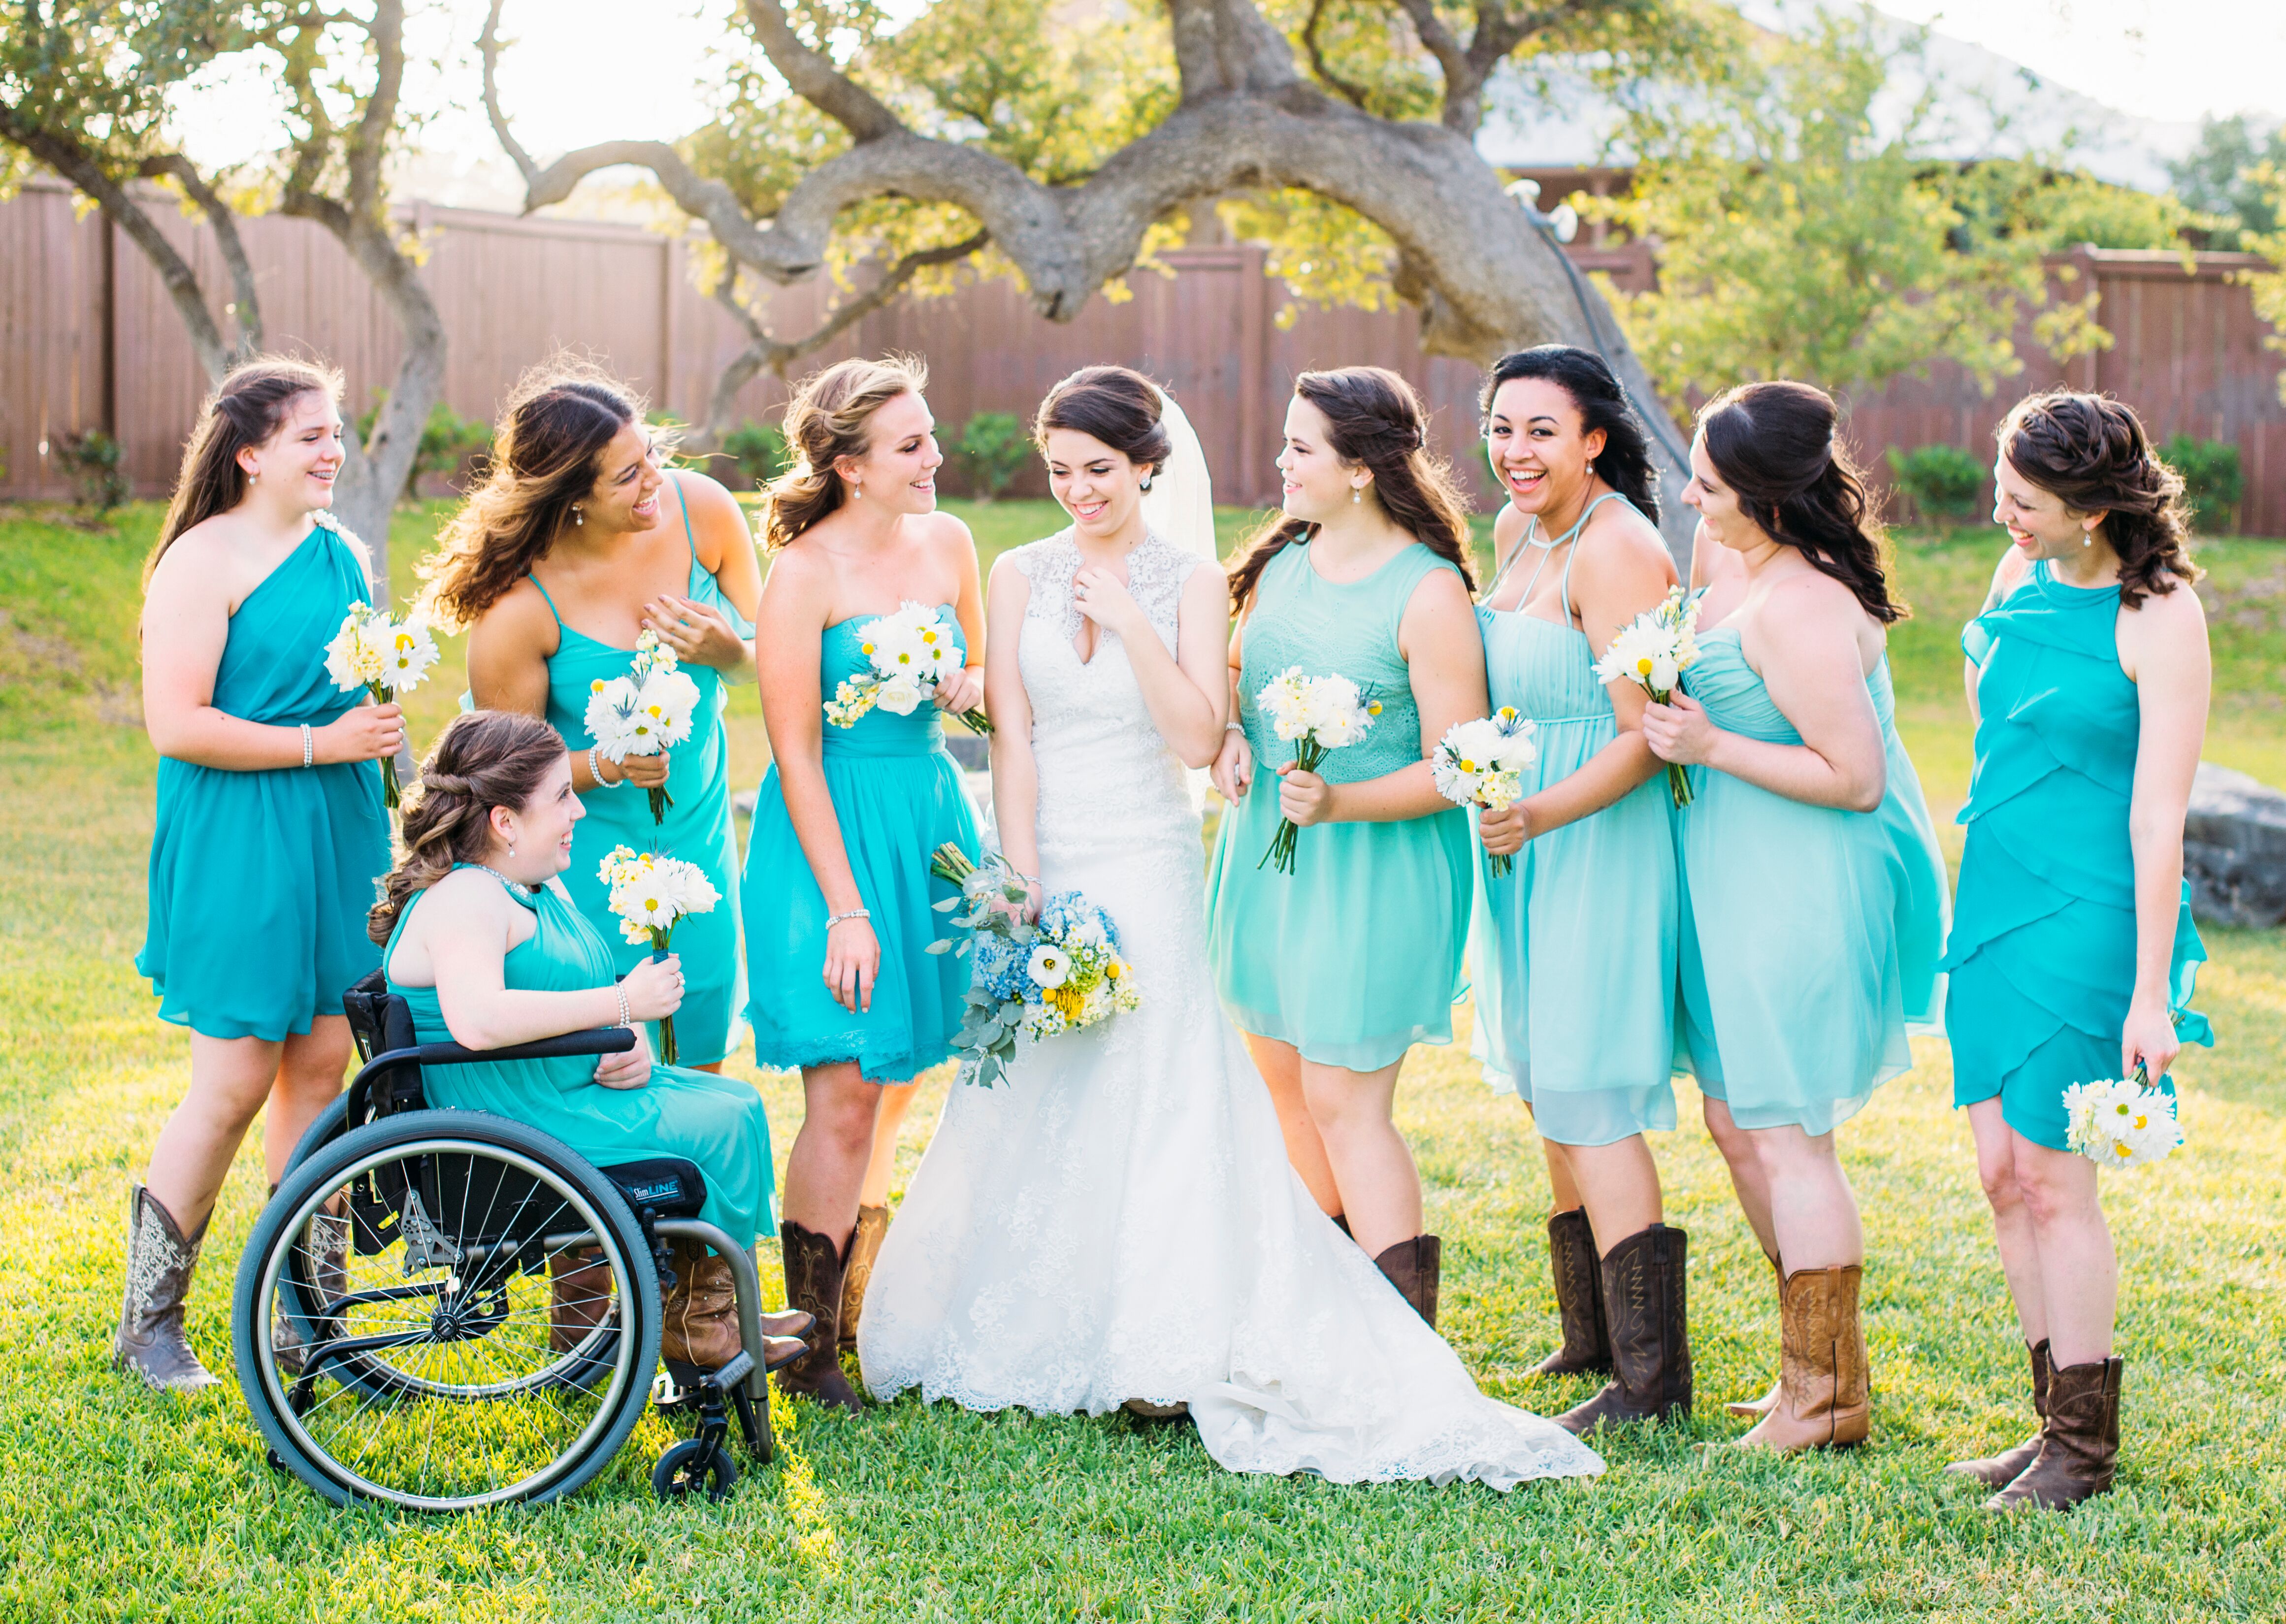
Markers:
<point>1104,598</point>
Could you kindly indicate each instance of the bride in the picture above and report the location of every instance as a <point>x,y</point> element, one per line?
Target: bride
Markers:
<point>1116,1223</point>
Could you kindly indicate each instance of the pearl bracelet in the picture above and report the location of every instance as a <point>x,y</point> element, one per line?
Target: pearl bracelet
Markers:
<point>595,771</point>
<point>626,1016</point>
<point>832,919</point>
<point>309,748</point>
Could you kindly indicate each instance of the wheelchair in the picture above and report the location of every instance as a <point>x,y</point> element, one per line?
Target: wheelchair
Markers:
<point>441,1310</point>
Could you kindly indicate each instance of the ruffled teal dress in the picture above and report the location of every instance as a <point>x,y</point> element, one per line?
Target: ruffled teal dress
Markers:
<point>1356,955</point>
<point>1573,949</point>
<point>1810,934</point>
<point>718,1122</point>
<point>696,828</point>
<point>2042,957</point>
<point>898,795</point>
<point>260,881</point>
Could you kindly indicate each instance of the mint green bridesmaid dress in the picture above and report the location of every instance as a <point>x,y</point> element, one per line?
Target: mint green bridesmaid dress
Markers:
<point>260,881</point>
<point>1356,955</point>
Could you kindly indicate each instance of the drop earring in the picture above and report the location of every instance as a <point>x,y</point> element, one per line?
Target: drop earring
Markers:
<point>1357,495</point>
<point>857,489</point>
<point>253,475</point>
<point>578,517</point>
<point>511,850</point>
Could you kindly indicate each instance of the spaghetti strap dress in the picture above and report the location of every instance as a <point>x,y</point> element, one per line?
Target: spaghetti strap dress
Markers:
<point>1356,955</point>
<point>1810,934</point>
<point>898,795</point>
<point>718,1122</point>
<point>2042,957</point>
<point>260,882</point>
<point>1572,951</point>
<point>696,828</point>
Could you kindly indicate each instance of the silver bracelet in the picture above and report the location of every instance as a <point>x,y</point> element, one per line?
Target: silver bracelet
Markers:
<point>625,1017</point>
<point>595,771</point>
<point>1234,727</point>
<point>832,919</point>
<point>309,748</point>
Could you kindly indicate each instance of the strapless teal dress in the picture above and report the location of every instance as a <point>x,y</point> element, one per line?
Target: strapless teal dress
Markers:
<point>696,829</point>
<point>2042,958</point>
<point>260,881</point>
<point>898,795</point>
<point>1810,934</point>
<point>1572,950</point>
<point>718,1122</point>
<point>1355,956</point>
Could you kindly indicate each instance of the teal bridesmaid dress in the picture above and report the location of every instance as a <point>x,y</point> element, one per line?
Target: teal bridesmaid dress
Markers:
<point>718,1122</point>
<point>2042,958</point>
<point>1573,949</point>
<point>260,881</point>
<point>898,795</point>
<point>696,829</point>
<point>1356,955</point>
<point>1810,934</point>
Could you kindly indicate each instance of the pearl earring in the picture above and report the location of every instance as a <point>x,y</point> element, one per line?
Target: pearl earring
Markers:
<point>857,489</point>
<point>2087,538</point>
<point>578,517</point>
<point>253,475</point>
<point>511,850</point>
<point>1357,495</point>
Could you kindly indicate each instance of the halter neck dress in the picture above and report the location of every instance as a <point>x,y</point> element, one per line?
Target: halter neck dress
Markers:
<point>1355,956</point>
<point>716,1122</point>
<point>898,795</point>
<point>259,881</point>
<point>696,828</point>
<point>2042,956</point>
<point>1810,934</point>
<point>1572,951</point>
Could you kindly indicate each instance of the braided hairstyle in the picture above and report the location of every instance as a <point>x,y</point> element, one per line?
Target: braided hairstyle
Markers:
<point>483,759</point>
<point>830,417</point>
<point>2091,454</point>
<point>1624,463</point>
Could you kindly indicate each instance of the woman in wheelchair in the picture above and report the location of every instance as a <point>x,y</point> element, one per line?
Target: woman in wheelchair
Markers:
<point>480,939</point>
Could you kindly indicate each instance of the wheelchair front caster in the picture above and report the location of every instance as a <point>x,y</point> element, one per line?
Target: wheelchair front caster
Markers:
<point>696,1463</point>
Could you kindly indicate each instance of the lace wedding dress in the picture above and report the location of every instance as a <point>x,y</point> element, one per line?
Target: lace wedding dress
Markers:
<point>1117,1219</point>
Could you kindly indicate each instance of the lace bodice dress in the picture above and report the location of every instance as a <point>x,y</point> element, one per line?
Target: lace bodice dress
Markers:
<point>1117,1220</point>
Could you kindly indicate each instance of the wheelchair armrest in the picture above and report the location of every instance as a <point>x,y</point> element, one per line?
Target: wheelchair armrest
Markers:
<point>603,1040</point>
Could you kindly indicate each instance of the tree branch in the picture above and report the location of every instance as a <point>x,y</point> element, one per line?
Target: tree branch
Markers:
<point>489,46</point>
<point>247,306</point>
<point>369,146</point>
<point>815,79</point>
<point>1354,94</point>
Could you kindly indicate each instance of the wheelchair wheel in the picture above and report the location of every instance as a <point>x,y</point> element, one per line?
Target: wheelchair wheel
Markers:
<point>478,1310</point>
<point>692,1466</point>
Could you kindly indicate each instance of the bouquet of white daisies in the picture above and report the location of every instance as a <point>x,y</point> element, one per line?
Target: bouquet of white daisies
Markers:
<point>2121,1121</point>
<point>911,653</point>
<point>384,656</point>
<point>643,712</point>
<point>1654,651</point>
<point>1032,980</point>
<point>1317,715</point>
<point>1482,763</point>
<point>649,893</point>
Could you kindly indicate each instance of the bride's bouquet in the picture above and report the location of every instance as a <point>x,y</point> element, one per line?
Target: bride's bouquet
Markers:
<point>1482,763</point>
<point>911,652</point>
<point>1059,976</point>
<point>1317,715</point>
<point>2121,1121</point>
<point>649,893</point>
<point>1653,651</point>
<point>643,712</point>
<point>384,656</point>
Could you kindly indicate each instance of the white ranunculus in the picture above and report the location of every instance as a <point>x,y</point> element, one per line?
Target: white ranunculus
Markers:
<point>1047,966</point>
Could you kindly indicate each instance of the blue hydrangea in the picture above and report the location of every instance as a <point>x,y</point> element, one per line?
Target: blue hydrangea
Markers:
<point>1069,917</point>
<point>999,966</point>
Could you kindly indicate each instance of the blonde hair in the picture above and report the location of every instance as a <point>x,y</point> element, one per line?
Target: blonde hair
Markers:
<point>247,409</point>
<point>827,419</point>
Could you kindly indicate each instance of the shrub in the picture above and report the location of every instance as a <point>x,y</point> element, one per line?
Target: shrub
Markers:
<point>759,450</point>
<point>992,452</point>
<point>2213,480</point>
<point>90,458</point>
<point>1944,482</point>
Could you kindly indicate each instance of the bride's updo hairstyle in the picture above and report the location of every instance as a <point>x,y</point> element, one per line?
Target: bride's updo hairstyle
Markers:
<point>1624,463</point>
<point>1773,444</point>
<point>1115,405</point>
<point>2091,454</point>
<point>1374,422</point>
<point>483,759</point>
<point>830,417</point>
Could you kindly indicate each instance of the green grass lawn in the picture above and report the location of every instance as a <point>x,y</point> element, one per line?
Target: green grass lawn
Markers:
<point>117,1503</point>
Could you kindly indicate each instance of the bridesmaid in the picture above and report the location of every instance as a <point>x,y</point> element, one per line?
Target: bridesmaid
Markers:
<point>1585,920</point>
<point>1815,892</point>
<point>2073,953</point>
<point>838,897</point>
<point>1334,970</point>
<point>271,830</point>
<point>577,542</point>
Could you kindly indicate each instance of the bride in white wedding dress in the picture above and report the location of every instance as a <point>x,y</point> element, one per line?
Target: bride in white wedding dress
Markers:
<point>1117,1221</point>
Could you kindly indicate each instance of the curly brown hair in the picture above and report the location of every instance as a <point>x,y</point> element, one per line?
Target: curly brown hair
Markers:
<point>483,759</point>
<point>2090,453</point>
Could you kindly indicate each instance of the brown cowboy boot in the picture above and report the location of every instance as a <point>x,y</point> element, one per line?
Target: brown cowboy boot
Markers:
<point>1413,1267</point>
<point>578,1297</point>
<point>1825,1399</point>
<point>1572,1259</point>
<point>1999,1471</point>
<point>1647,1315</point>
<point>864,1246</point>
<point>2079,1446</point>
<point>699,1313</point>
<point>1755,1409</point>
<point>813,1283</point>
<point>160,1263</point>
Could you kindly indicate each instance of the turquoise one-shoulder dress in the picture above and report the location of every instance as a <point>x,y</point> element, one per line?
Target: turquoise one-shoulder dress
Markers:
<point>1810,934</point>
<point>1572,951</point>
<point>1356,955</point>
<point>898,795</point>
<point>2042,957</point>
<point>696,828</point>
<point>718,1122</point>
<point>260,881</point>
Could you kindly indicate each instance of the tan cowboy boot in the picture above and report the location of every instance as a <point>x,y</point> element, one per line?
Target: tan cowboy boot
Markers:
<point>864,1246</point>
<point>1824,1398</point>
<point>161,1261</point>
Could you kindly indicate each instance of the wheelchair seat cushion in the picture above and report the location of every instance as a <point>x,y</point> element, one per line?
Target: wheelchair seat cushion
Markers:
<point>669,1185</point>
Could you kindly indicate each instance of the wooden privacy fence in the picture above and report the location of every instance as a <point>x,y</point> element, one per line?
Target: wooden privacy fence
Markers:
<point>88,338</point>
